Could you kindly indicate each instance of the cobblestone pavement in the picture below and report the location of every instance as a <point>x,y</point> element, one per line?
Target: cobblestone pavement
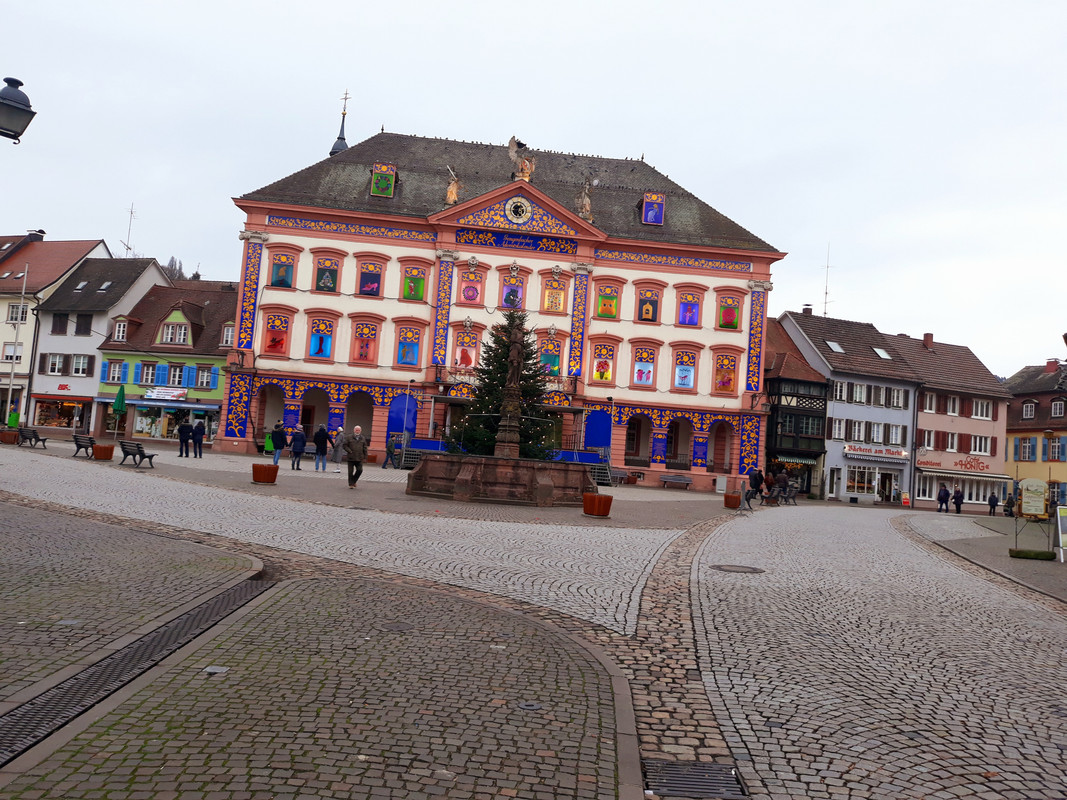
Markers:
<point>859,665</point>
<point>348,688</point>
<point>66,599</point>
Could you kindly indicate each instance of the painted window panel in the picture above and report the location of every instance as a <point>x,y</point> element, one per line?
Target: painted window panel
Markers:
<point>603,362</point>
<point>729,313</point>
<point>607,303</point>
<point>370,280</point>
<point>689,309</point>
<point>725,373</point>
<point>326,274</point>
<point>281,270</point>
<point>407,353</point>
<point>648,305</point>
<point>513,292</point>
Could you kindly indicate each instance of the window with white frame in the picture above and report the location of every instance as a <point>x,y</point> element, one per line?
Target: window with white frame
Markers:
<point>16,312</point>
<point>840,390</point>
<point>13,352</point>
<point>861,480</point>
<point>1028,410</point>
<point>148,374</point>
<point>1055,452</point>
<point>55,364</point>
<point>203,377</point>
<point>857,430</point>
<point>859,393</point>
<point>896,434</point>
<point>119,334</point>
<point>1057,408</point>
<point>928,440</point>
<point>1026,448</point>
<point>952,405</point>
<point>227,336</point>
<point>950,442</point>
<point>896,398</point>
<point>174,376</point>
<point>876,432</point>
<point>980,445</point>
<point>175,334</point>
<point>114,372</point>
<point>982,409</point>
<point>838,429</point>
<point>930,402</point>
<point>79,365</point>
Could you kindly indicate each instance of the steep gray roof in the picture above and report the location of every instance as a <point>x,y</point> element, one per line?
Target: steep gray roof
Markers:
<point>1030,381</point>
<point>342,181</point>
<point>951,367</point>
<point>96,273</point>
<point>857,341</point>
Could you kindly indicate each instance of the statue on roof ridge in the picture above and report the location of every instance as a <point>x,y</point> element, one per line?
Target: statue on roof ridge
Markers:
<point>583,202</point>
<point>523,160</point>
<point>452,192</point>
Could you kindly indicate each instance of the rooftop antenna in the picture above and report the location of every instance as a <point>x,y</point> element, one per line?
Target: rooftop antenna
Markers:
<point>128,229</point>
<point>826,285</point>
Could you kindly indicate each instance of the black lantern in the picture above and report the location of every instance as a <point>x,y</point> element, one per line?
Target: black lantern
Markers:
<point>15,111</point>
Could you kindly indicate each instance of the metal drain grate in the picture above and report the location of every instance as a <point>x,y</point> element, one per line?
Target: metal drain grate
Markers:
<point>696,779</point>
<point>23,727</point>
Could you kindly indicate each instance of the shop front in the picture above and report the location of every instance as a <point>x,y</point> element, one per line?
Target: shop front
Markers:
<point>51,411</point>
<point>976,486</point>
<point>159,413</point>
<point>875,474</point>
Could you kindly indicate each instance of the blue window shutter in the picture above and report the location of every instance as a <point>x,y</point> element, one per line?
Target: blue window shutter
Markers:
<point>1063,453</point>
<point>125,371</point>
<point>161,374</point>
<point>1016,456</point>
<point>103,371</point>
<point>1044,449</point>
<point>137,372</point>
<point>214,377</point>
<point>189,377</point>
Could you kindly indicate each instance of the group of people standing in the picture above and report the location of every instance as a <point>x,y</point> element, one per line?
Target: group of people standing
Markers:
<point>351,449</point>
<point>944,497</point>
<point>194,434</point>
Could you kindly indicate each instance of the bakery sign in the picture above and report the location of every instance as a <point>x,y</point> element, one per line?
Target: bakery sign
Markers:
<point>885,452</point>
<point>166,394</point>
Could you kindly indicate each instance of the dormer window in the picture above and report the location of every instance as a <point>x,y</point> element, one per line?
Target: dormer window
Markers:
<point>175,334</point>
<point>1028,410</point>
<point>120,332</point>
<point>227,336</point>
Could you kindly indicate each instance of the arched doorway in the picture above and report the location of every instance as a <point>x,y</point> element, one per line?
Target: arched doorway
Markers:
<point>638,441</point>
<point>359,410</point>
<point>314,411</point>
<point>720,447</point>
<point>679,443</point>
<point>270,408</point>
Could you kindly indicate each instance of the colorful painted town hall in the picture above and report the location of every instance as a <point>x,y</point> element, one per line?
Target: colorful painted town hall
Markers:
<point>371,279</point>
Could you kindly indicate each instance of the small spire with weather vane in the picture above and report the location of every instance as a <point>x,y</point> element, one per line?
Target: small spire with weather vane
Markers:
<point>341,145</point>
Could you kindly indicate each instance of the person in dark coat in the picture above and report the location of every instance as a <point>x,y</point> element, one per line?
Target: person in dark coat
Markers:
<point>942,498</point>
<point>277,438</point>
<point>957,499</point>
<point>356,447</point>
<point>1009,506</point>
<point>323,440</point>
<point>198,439</point>
<point>185,435</point>
<point>993,500</point>
<point>297,445</point>
<point>390,449</point>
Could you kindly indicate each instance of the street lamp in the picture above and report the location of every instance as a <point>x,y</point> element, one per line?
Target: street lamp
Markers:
<point>407,405</point>
<point>15,110</point>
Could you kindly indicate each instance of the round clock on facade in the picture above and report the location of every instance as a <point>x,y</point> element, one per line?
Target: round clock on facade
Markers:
<point>517,210</point>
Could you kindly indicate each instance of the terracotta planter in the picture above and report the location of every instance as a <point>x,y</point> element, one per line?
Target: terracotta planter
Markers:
<point>631,479</point>
<point>103,452</point>
<point>264,473</point>
<point>9,437</point>
<point>732,500</point>
<point>596,505</point>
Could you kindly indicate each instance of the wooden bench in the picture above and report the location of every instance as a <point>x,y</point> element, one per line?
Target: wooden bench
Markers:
<point>83,442</point>
<point>31,437</point>
<point>135,450</point>
<point>790,496</point>
<point>771,498</point>
<point>676,480</point>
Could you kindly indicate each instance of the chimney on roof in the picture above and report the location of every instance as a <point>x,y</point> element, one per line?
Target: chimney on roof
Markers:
<point>807,309</point>
<point>1052,365</point>
<point>928,341</point>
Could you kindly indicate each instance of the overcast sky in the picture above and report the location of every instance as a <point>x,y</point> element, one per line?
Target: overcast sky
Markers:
<point>918,147</point>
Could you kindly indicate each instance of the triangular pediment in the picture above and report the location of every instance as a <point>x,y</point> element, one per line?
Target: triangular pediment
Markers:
<point>520,208</point>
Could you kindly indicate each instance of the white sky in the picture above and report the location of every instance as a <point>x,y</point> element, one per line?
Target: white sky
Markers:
<point>921,143</point>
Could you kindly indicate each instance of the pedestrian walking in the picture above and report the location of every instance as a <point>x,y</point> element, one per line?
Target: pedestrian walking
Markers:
<point>277,440</point>
<point>198,439</point>
<point>323,440</point>
<point>993,500</point>
<point>356,447</point>
<point>1009,506</point>
<point>390,448</point>
<point>297,444</point>
<point>942,498</point>
<point>957,499</point>
<point>338,448</point>
<point>185,435</point>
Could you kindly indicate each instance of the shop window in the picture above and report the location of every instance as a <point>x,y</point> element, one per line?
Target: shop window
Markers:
<point>512,291</point>
<point>414,288</point>
<point>724,381</point>
<point>282,270</point>
<point>370,279</point>
<point>409,341</point>
<point>365,342</point>
<point>861,480</point>
<point>320,343</point>
<point>327,272</point>
<point>83,324</point>
<point>59,324</point>
<point>119,334</point>
<point>550,352</point>
<point>685,370</point>
<point>648,301</point>
<point>644,367</point>
<point>603,362</point>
